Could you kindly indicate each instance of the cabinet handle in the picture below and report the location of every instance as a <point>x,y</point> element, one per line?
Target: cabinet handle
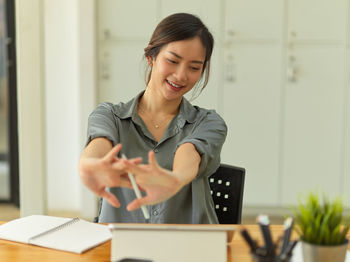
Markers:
<point>230,70</point>
<point>105,66</point>
<point>292,69</point>
<point>231,33</point>
<point>106,34</point>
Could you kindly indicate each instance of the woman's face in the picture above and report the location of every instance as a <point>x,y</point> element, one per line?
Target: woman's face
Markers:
<point>177,68</point>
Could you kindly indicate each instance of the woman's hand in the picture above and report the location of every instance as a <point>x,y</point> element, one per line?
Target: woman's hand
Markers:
<point>159,184</point>
<point>109,171</point>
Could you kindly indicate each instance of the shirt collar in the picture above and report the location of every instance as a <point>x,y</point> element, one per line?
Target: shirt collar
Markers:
<point>187,111</point>
<point>129,109</point>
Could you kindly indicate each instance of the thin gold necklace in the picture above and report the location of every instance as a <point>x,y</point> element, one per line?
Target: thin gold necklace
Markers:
<point>157,126</point>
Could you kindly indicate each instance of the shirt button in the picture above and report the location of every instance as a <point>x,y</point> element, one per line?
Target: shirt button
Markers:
<point>156,150</point>
<point>155,213</point>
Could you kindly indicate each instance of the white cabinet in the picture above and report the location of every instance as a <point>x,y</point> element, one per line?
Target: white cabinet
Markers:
<point>252,94</point>
<point>318,20</point>
<point>254,20</point>
<point>284,96</point>
<point>132,19</point>
<point>122,80</point>
<point>314,123</point>
<point>314,99</point>
<point>252,112</point>
<point>124,29</point>
<point>207,10</point>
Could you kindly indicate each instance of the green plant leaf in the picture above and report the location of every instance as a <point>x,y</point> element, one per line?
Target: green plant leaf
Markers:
<point>320,222</point>
<point>334,236</point>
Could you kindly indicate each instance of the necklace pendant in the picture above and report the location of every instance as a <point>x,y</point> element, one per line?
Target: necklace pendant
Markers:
<point>156,126</point>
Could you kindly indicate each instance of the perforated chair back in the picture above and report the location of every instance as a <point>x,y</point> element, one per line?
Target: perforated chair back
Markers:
<point>227,186</point>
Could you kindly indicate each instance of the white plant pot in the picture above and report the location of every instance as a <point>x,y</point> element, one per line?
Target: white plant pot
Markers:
<point>318,253</point>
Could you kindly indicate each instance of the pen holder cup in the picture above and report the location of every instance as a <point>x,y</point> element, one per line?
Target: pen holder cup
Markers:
<point>259,258</point>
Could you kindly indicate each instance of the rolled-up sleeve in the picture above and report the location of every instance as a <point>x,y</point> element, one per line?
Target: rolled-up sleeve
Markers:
<point>101,123</point>
<point>208,136</point>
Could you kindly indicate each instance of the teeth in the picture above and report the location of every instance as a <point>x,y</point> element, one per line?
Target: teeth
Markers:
<point>174,84</point>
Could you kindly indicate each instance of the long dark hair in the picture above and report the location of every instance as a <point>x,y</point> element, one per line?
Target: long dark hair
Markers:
<point>176,27</point>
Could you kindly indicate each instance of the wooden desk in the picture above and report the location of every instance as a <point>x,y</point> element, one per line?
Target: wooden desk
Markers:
<point>12,251</point>
<point>238,250</point>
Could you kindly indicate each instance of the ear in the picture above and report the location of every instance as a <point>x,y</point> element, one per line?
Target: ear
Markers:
<point>149,61</point>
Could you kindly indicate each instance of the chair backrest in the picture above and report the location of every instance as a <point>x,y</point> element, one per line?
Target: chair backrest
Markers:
<point>227,186</point>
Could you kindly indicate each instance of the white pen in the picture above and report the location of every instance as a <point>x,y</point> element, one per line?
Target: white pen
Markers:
<point>137,192</point>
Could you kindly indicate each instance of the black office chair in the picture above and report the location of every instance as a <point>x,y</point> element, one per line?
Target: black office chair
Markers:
<point>227,185</point>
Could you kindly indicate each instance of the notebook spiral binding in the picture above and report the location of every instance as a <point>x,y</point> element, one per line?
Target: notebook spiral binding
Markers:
<point>68,223</point>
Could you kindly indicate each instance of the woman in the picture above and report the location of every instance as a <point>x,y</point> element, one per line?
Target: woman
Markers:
<point>178,144</point>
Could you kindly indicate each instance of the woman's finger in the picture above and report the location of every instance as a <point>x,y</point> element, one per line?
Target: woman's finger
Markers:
<point>152,159</point>
<point>116,178</point>
<point>111,155</point>
<point>135,161</point>
<point>111,198</point>
<point>133,168</point>
<point>120,166</point>
<point>137,203</point>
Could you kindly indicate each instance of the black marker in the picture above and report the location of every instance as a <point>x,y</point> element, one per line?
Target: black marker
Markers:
<point>264,223</point>
<point>288,226</point>
<point>288,251</point>
<point>249,240</point>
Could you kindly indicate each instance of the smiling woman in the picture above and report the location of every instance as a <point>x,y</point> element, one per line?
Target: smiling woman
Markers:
<point>179,65</point>
<point>172,145</point>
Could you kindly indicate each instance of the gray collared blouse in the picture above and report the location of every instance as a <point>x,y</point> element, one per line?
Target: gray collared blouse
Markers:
<point>205,129</point>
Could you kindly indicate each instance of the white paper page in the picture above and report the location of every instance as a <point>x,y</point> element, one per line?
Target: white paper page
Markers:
<point>21,229</point>
<point>77,237</point>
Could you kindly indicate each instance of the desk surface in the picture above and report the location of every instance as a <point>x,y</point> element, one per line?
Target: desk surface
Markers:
<point>11,251</point>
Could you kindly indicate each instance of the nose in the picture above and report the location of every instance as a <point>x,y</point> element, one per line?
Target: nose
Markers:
<point>181,74</point>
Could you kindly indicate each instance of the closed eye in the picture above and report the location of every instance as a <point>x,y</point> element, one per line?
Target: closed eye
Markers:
<point>195,68</point>
<point>172,61</point>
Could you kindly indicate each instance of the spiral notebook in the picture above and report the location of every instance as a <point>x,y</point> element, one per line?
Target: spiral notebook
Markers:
<point>67,234</point>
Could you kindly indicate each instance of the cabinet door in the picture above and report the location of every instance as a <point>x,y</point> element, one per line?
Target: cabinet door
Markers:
<point>251,103</point>
<point>121,71</point>
<point>254,20</point>
<point>313,123</point>
<point>123,32</point>
<point>126,19</point>
<point>209,12</point>
<point>317,19</point>
<point>346,157</point>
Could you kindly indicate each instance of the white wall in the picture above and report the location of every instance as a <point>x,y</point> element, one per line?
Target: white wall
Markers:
<point>61,102</point>
<point>87,89</point>
<point>69,65</point>
<point>30,97</point>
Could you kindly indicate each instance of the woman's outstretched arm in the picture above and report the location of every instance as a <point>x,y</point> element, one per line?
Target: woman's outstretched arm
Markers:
<point>99,168</point>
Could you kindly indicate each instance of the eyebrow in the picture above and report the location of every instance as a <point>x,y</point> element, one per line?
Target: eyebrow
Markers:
<point>193,61</point>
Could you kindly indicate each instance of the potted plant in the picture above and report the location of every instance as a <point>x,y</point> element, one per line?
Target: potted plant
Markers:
<point>320,225</point>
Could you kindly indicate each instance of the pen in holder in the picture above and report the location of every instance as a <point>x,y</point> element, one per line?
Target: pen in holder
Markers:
<point>270,251</point>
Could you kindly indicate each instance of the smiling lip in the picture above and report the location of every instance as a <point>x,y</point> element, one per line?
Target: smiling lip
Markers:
<point>174,86</point>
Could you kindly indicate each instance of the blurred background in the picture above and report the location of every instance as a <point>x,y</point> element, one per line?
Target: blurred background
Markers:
<point>279,77</point>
